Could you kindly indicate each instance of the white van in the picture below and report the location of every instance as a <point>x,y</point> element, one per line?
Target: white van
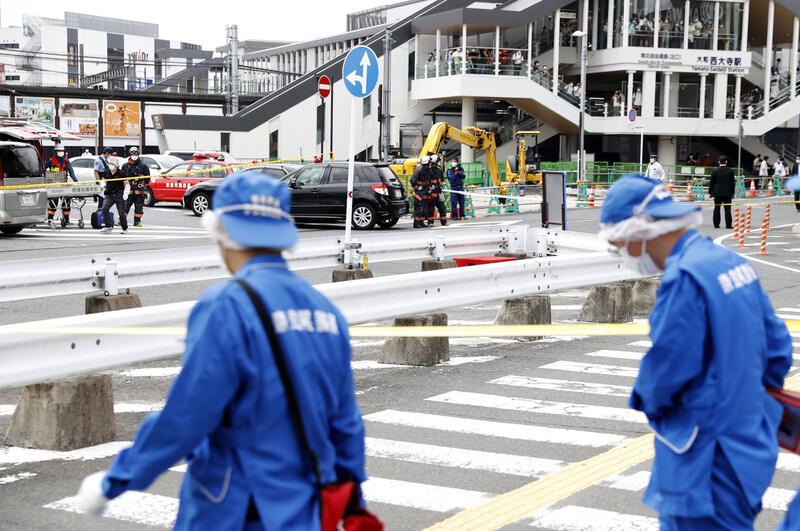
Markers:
<point>20,165</point>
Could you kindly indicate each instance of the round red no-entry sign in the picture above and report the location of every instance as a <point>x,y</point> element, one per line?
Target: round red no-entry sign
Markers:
<point>324,86</point>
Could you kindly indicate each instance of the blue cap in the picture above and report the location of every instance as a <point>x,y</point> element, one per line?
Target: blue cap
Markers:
<point>254,209</point>
<point>624,200</point>
<point>108,150</point>
<point>792,184</point>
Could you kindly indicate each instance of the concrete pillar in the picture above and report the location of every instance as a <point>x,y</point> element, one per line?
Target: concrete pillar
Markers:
<point>720,96</point>
<point>629,95</point>
<point>436,265</point>
<point>644,295</point>
<point>342,275</point>
<point>737,97</point>
<point>665,82</point>
<point>668,151</point>
<point>423,351</point>
<point>745,24</point>
<point>715,45</point>
<point>702,103</point>
<point>648,94</point>
<point>530,49</point>
<point>768,52</point>
<point>463,49</point>
<point>438,58</point>
<point>595,23</point>
<point>675,79</point>
<point>656,24</point>
<point>610,28</point>
<point>793,57</point>
<point>608,303</point>
<point>497,50</point>
<point>626,20</point>
<point>467,118</point>
<point>686,25</point>
<point>525,311</point>
<point>556,50</point>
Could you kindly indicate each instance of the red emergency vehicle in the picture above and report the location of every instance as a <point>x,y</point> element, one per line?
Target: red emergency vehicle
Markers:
<point>173,183</point>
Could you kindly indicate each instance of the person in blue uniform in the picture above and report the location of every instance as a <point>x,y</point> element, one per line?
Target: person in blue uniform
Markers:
<point>455,174</point>
<point>702,384</point>
<point>227,413</point>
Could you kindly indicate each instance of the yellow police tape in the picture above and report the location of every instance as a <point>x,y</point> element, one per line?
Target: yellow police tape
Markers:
<point>621,329</point>
<point>171,175</point>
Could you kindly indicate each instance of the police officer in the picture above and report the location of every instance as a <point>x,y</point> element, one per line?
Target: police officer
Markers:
<point>60,162</point>
<point>102,171</point>
<point>227,412</point>
<point>702,383</point>
<point>455,174</point>
<point>420,191</point>
<point>655,170</point>
<point>139,177</point>
<point>436,195</point>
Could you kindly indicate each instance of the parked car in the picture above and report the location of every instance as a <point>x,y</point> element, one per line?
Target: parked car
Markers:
<point>171,185</point>
<point>20,165</point>
<point>189,155</point>
<point>83,166</point>
<point>198,197</point>
<point>319,192</point>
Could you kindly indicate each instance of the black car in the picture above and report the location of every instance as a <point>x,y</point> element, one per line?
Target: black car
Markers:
<point>319,192</point>
<point>198,197</point>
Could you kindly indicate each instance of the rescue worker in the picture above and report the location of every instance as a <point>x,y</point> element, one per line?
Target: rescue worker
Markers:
<point>114,195</point>
<point>135,169</point>
<point>702,383</point>
<point>102,171</point>
<point>227,411</point>
<point>436,197</point>
<point>455,174</point>
<point>420,191</point>
<point>655,170</point>
<point>60,162</point>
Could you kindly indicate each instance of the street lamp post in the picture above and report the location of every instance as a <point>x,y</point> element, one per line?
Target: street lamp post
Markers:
<point>584,55</point>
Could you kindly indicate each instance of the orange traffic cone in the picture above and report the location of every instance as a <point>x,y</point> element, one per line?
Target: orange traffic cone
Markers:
<point>752,192</point>
<point>689,196</point>
<point>591,196</point>
<point>669,186</point>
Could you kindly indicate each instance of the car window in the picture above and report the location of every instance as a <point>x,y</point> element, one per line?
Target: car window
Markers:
<point>180,168</point>
<point>218,171</point>
<point>370,174</point>
<point>196,174</point>
<point>273,172</point>
<point>337,175</point>
<point>310,176</point>
<point>150,163</point>
<point>387,174</point>
<point>82,163</point>
<point>20,162</point>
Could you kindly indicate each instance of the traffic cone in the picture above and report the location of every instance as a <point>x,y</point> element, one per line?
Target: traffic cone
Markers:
<point>752,192</point>
<point>689,196</point>
<point>591,196</point>
<point>770,191</point>
<point>669,185</point>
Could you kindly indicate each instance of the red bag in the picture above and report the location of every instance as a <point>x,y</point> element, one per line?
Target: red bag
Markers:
<point>339,505</point>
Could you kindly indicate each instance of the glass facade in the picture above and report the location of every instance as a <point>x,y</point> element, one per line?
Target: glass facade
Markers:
<point>730,26</point>
<point>671,18</point>
<point>701,25</point>
<point>640,25</point>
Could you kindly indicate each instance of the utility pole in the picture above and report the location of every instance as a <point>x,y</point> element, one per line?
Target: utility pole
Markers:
<point>387,93</point>
<point>233,69</point>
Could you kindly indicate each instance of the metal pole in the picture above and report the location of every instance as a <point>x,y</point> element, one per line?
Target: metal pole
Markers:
<point>584,56</point>
<point>351,167</point>
<point>741,130</point>
<point>387,83</point>
<point>330,155</point>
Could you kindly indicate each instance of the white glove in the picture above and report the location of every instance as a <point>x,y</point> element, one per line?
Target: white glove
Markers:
<point>91,499</point>
<point>127,192</point>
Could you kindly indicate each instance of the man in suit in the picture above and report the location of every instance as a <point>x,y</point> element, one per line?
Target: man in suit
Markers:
<point>721,187</point>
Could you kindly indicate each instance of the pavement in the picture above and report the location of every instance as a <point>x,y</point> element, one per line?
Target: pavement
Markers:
<point>441,440</point>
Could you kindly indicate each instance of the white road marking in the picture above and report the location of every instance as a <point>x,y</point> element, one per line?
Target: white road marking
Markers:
<point>521,432</point>
<point>787,317</point>
<point>19,477</point>
<point>787,461</point>
<point>515,465</point>
<point>633,482</point>
<point>575,518</point>
<point>132,506</point>
<point>643,343</point>
<point>461,360</point>
<point>570,386</point>
<point>592,368</point>
<point>777,499</point>
<point>566,307</point>
<point>15,455</point>
<point>420,495</point>
<point>154,372</point>
<point>618,354</point>
<point>6,410</point>
<point>788,310</point>
<point>529,405</point>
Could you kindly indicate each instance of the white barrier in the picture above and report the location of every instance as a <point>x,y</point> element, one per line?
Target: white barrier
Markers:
<point>57,348</point>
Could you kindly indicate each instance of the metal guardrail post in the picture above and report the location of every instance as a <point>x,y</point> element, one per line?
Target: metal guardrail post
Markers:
<point>438,248</point>
<point>108,275</point>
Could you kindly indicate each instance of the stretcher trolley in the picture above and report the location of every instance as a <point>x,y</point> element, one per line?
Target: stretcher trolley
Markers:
<point>61,190</point>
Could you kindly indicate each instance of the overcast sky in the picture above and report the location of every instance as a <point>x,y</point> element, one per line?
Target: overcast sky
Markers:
<point>296,20</point>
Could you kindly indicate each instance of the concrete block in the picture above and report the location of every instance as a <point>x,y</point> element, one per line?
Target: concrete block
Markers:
<point>64,415</point>
<point>644,295</point>
<point>435,265</point>
<point>425,351</point>
<point>110,303</point>
<point>525,311</point>
<point>341,275</point>
<point>519,255</point>
<point>608,303</point>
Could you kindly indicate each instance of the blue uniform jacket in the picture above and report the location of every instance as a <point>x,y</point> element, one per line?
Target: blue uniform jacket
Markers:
<point>456,179</point>
<point>227,414</point>
<point>716,344</point>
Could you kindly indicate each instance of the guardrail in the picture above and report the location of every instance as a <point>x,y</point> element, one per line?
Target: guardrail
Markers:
<point>114,272</point>
<point>58,348</point>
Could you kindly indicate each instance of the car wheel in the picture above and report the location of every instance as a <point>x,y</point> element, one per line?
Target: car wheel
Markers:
<point>363,217</point>
<point>388,223</point>
<point>200,202</point>
<point>149,197</point>
<point>10,230</point>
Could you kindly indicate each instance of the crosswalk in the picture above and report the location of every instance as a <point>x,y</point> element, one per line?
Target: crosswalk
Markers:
<point>72,234</point>
<point>468,441</point>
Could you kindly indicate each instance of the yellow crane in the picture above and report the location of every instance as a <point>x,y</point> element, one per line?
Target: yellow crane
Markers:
<point>524,167</point>
<point>471,136</point>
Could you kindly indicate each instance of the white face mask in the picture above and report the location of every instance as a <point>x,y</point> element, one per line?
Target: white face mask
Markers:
<point>652,161</point>
<point>134,157</point>
<point>60,154</point>
<point>453,164</point>
<point>112,167</point>
<point>642,264</point>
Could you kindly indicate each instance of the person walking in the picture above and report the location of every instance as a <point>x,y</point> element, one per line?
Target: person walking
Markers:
<point>139,176</point>
<point>60,163</point>
<point>722,186</point>
<point>455,174</point>
<point>436,194</point>
<point>763,173</point>
<point>655,170</point>
<point>702,383</point>
<point>102,171</point>
<point>780,170</point>
<point>229,412</point>
<point>115,194</point>
<point>420,191</point>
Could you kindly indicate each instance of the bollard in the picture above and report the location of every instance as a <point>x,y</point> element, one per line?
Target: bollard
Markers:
<point>424,351</point>
<point>342,275</point>
<point>608,303</point>
<point>741,231</point>
<point>512,205</point>
<point>763,250</point>
<point>767,216</point>
<point>530,310</point>
<point>736,226</point>
<point>644,295</point>
<point>435,265</point>
<point>469,209</point>
<point>591,196</point>
<point>747,220</point>
<point>494,202</point>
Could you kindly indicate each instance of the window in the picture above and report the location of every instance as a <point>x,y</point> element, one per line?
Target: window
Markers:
<point>730,27</point>
<point>12,78</point>
<point>82,163</point>
<point>320,123</point>
<point>9,45</point>
<point>196,167</point>
<point>310,176</point>
<point>72,55</point>
<point>273,145</point>
<point>218,171</point>
<point>367,109</point>
<point>273,172</point>
<point>701,25</point>
<point>150,163</point>
<point>671,30</point>
<point>180,168</point>
<point>338,174</point>
<point>640,26</point>
<point>370,174</point>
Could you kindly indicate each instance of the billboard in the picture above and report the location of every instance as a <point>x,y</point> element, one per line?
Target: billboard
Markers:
<point>79,117</point>
<point>5,107</point>
<point>40,110</point>
<point>121,119</point>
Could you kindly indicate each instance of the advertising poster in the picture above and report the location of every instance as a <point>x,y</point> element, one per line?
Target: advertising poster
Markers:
<point>5,107</point>
<point>121,119</point>
<point>79,117</point>
<point>41,110</point>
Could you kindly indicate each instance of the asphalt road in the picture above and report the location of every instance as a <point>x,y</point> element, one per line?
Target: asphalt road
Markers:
<point>499,415</point>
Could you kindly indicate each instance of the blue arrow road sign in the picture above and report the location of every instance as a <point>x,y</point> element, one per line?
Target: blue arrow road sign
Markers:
<point>360,71</point>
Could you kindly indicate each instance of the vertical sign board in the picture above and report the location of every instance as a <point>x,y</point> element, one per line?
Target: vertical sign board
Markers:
<point>554,199</point>
<point>360,75</point>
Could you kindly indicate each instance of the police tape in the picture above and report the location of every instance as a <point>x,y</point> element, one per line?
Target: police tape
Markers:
<point>583,329</point>
<point>171,175</point>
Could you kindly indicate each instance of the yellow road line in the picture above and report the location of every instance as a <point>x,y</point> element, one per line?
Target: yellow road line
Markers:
<point>515,505</point>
